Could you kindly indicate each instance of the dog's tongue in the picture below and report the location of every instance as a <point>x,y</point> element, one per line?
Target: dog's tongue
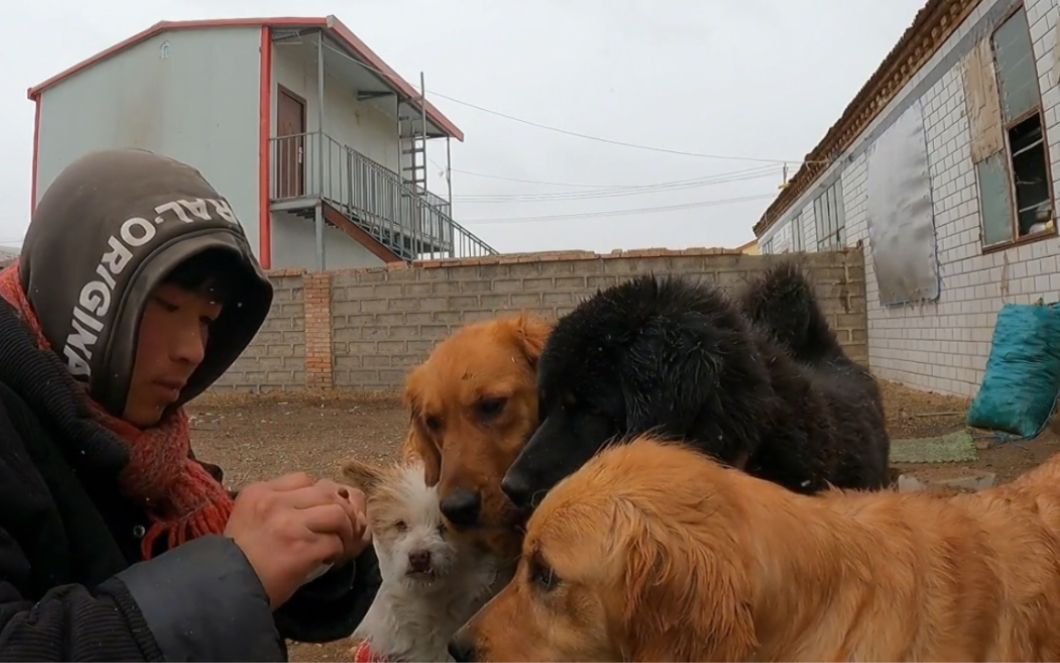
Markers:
<point>362,653</point>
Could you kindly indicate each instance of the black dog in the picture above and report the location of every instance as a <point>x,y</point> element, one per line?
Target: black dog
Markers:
<point>760,383</point>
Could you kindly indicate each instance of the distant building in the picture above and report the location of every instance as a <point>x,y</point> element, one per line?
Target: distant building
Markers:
<point>319,146</point>
<point>750,248</point>
<point>944,169</point>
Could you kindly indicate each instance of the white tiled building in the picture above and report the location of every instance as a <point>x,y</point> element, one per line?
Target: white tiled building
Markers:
<point>957,68</point>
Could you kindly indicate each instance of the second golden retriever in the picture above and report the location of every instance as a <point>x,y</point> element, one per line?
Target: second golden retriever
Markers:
<point>473,405</point>
<point>652,552</point>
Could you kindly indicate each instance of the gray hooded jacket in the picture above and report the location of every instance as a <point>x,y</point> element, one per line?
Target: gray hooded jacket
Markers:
<point>104,235</point>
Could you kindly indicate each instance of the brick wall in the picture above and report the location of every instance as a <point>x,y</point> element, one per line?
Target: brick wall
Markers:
<point>276,359</point>
<point>364,329</point>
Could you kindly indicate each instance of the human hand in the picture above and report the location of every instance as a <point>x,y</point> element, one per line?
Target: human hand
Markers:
<point>290,527</point>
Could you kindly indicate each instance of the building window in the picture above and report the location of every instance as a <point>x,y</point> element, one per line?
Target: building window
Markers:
<point>796,234</point>
<point>1015,186</point>
<point>767,247</point>
<point>831,221</point>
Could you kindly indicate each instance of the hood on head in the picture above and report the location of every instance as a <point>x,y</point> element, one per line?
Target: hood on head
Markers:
<point>107,231</point>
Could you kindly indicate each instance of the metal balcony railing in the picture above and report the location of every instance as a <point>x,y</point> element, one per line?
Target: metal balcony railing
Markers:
<point>415,226</point>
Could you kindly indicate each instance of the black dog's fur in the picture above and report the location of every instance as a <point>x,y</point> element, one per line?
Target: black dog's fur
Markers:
<point>761,383</point>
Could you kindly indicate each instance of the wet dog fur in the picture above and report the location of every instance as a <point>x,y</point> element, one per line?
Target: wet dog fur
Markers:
<point>473,406</point>
<point>758,382</point>
<point>654,552</point>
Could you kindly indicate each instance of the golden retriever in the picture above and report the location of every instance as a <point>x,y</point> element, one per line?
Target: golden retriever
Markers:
<point>653,552</point>
<point>473,405</point>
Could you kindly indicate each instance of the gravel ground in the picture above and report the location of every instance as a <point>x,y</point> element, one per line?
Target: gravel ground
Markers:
<point>260,437</point>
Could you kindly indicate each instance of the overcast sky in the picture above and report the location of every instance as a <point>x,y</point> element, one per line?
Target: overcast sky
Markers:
<point>753,83</point>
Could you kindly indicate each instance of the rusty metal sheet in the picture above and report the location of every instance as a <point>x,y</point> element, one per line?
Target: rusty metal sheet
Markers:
<point>901,217</point>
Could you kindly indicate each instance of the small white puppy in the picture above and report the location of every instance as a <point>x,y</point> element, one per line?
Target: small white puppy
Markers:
<point>432,583</point>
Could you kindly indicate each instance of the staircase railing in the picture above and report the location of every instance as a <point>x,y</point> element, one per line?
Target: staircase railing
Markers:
<point>417,226</point>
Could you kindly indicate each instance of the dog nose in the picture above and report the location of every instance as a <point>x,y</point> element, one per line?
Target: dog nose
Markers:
<point>462,507</point>
<point>420,560</point>
<point>462,649</point>
<point>517,488</point>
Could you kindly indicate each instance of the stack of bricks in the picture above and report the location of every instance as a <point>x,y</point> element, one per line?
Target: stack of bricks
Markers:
<point>364,329</point>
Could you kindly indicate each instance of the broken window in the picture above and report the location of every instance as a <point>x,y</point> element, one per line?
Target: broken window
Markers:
<point>831,221</point>
<point>1015,189</point>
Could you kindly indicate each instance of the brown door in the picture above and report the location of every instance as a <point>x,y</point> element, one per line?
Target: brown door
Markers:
<point>290,145</point>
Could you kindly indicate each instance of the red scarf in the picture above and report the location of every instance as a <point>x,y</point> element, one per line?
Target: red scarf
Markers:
<point>180,497</point>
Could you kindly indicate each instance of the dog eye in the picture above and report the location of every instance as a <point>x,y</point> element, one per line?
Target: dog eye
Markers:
<point>432,423</point>
<point>401,526</point>
<point>491,407</point>
<point>543,576</point>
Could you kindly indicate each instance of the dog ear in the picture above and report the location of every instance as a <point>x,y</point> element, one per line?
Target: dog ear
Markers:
<point>531,333</point>
<point>708,369</point>
<point>363,475</point>
<point>416,444</point>
<point>684,601</point>
<point>427,452</point>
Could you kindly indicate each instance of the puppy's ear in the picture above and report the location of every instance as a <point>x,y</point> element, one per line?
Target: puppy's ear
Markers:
<point>363,475</point>
<point>531,333</point>
<point>684,601</point>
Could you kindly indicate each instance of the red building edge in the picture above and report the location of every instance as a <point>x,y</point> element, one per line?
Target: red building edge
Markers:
<point>334,27</point>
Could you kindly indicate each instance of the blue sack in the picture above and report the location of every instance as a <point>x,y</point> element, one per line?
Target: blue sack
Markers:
<point>1022,381</point>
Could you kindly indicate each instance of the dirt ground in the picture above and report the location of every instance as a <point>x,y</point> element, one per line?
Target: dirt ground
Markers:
<point>261,437</point>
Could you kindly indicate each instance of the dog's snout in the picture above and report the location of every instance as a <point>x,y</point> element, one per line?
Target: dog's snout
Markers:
<point>462,507</point>
<point>420,561</point>
<point>461,648</point>
<point>517,488</point>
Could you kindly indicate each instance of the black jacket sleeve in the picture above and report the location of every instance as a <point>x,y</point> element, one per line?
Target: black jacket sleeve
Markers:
<point>199,602</point>
<point>332,606</point>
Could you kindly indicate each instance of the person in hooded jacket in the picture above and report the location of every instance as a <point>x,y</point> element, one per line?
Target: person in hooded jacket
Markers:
<point>135,290</point>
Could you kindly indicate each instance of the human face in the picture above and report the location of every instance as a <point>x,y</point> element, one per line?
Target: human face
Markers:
<point>172,343</point>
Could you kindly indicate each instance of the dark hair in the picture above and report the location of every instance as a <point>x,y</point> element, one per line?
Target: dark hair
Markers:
<point>214,273</point>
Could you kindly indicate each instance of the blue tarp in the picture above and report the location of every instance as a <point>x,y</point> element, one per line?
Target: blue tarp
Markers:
<point>1022,381</point>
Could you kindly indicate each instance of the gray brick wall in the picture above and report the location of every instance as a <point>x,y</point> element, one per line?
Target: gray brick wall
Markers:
<point>276,357</point>
<point>386,321</point>
<point>383,321</point>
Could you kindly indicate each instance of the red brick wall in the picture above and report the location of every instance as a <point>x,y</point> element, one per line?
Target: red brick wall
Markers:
<point>316,289</point>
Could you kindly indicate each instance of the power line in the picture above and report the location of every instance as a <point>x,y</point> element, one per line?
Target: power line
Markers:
<point>602,186</point>
<point>610,141</point>
<point>576,133</point>
<point>624,212</point>
<point>595,194</point>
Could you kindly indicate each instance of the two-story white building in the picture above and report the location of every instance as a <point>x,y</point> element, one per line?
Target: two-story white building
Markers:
<point>943,168</point>
<point>319,146</point>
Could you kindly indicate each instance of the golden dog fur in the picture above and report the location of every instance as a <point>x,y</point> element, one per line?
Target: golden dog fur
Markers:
<point>652,552</point>
<point>473,405</point>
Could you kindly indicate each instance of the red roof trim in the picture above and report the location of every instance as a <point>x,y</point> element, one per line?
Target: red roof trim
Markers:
<point>334,26</point>
<point>346,36</point>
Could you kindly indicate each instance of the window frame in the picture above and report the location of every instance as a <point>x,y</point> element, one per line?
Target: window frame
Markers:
<point>798,237</point>
<point>829,200</point>
<point>1010,171</point>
